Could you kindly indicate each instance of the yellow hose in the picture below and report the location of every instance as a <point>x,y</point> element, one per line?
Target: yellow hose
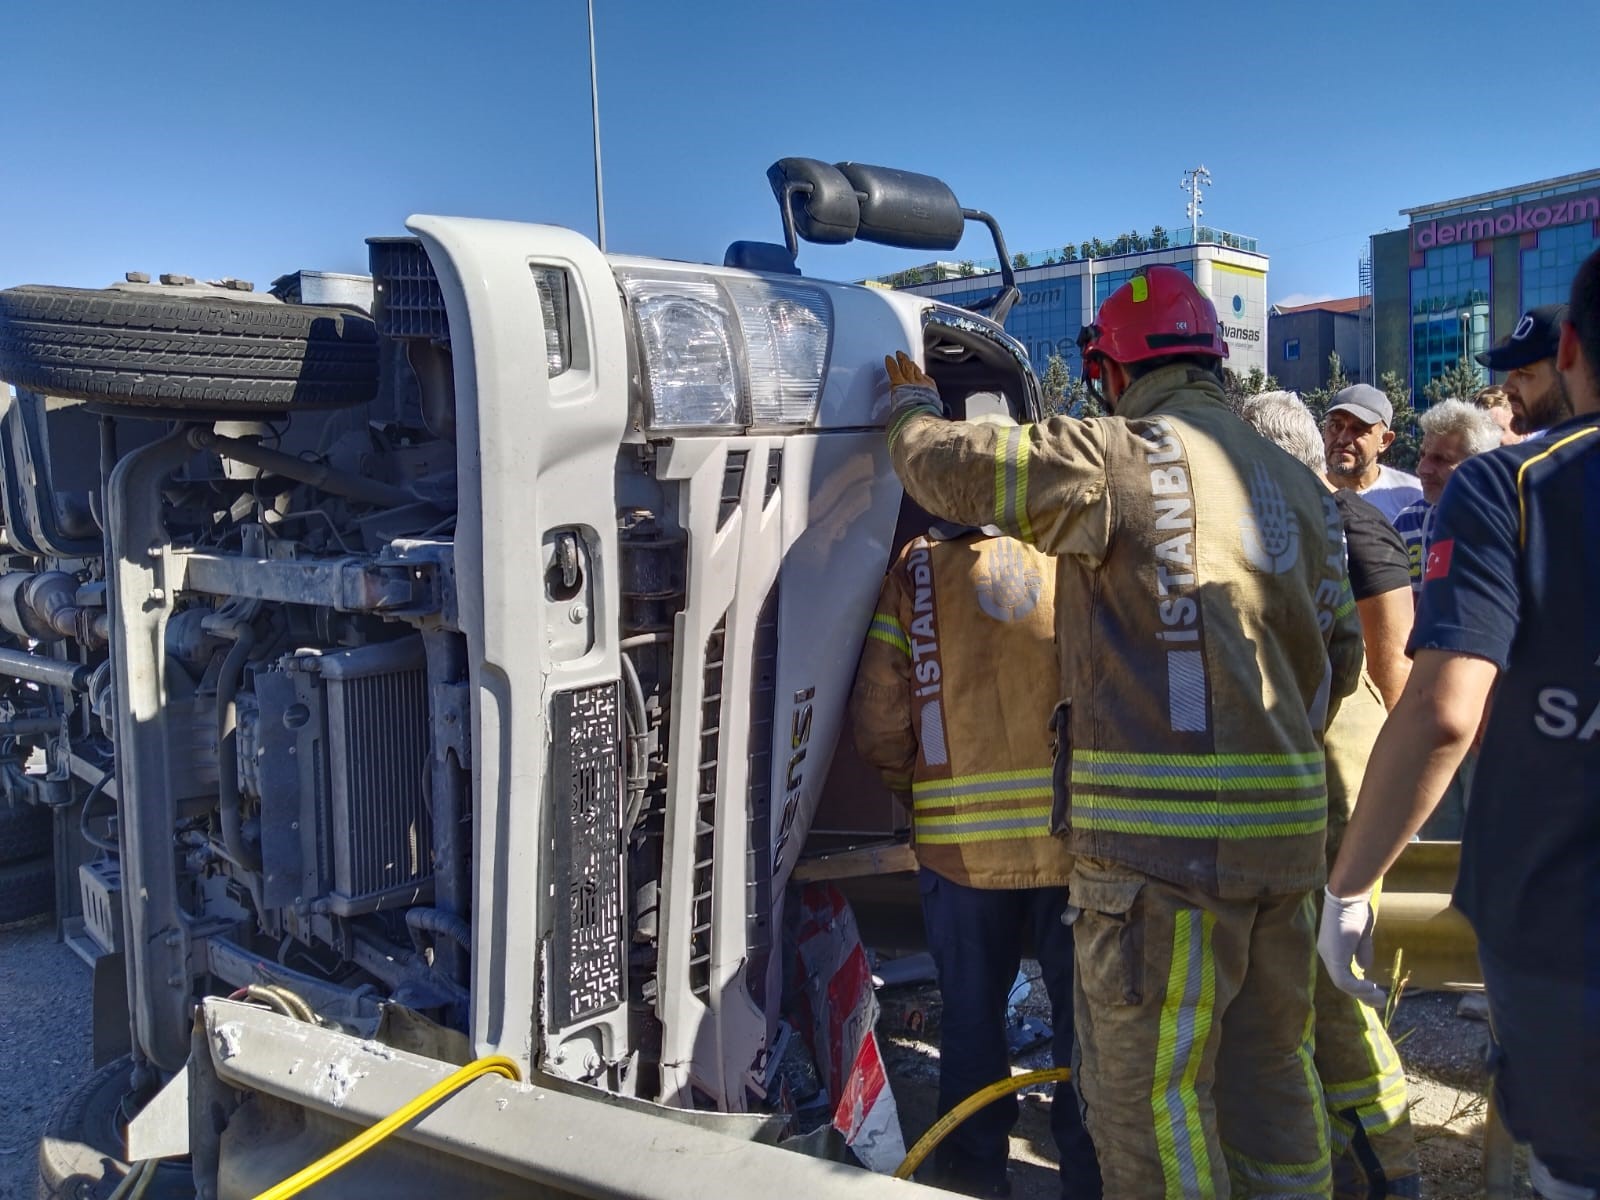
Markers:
<point>942,1127</point>
<point>495,1064</point>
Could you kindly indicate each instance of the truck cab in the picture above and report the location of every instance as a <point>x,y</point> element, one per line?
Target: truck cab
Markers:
<point>476,665</point>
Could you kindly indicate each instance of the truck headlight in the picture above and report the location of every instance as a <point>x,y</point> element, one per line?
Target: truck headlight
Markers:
<point>551,284</point>
<point>720,352</point>
<point>686,340</point>
<point>787,328</point>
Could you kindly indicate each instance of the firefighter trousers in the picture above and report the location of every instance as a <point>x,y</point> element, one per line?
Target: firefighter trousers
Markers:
<point>1364,1085</point>
<point>1195,1029</point>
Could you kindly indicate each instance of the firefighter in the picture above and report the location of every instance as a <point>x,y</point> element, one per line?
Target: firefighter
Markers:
<point>951,706</point>
<point>1204,625</point>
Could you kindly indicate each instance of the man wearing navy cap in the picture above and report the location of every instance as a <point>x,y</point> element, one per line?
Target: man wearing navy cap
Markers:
<point>1528,357</point>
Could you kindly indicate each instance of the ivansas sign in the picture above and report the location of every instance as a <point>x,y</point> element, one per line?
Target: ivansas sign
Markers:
<point>1529,217</point>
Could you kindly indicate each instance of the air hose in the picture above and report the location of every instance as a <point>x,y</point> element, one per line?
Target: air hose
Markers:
<point>944,1125</point>
<point>495,1064</point>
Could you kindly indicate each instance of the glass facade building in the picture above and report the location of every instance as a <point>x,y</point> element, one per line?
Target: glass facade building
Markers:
<point>1058,299</point>
<point>1461,273</point>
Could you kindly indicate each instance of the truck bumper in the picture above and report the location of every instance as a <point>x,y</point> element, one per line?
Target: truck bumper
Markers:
<point>291,1092</point>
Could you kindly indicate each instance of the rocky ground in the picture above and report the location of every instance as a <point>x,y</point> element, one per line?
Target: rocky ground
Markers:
<point>1443,1054</point>
<point>44,1033</point>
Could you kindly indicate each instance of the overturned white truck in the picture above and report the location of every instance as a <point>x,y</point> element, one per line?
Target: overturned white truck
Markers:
<point>457,681</point>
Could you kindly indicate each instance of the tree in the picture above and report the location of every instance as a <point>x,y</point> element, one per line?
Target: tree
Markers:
<point>966,268</point>
<point>1120,246</point>
<point>1406,449</point>
<point>1049,260</point>
<point>1055,383</point>
<point>1158,238</point>
<point>1087,250</point>
<point>1318,399</point>
<point>1019,260</point>
<point>1101,250</point>
<point>1459,382</point>
<point>1239,388</point>
<point>1136,241</point>
<point>1069,253</point>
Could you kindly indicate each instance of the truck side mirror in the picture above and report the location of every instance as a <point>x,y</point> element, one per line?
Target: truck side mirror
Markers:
<point>902,208</point>
<point>818,202</point>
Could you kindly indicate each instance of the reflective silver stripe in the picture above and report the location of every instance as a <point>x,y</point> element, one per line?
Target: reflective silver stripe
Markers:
<point>1009,781</point>
<point>1088,772</point>
<point>1009,516</point>
<point>1186,691</point>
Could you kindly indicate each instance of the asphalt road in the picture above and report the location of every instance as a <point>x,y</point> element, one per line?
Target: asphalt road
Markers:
<point>44,1043</point>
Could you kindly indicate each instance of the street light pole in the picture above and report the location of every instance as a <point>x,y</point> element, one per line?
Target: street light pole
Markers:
<point>594,104</point>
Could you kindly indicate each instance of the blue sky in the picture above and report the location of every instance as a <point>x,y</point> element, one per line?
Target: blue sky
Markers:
<point>250,139</point>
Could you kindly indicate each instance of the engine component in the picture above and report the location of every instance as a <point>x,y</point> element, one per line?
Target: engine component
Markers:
<point>43,606</point>
<point>342,745</point>
<point>652,572</point>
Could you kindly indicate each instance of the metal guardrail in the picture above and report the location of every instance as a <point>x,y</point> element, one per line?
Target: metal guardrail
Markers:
<point>1439,949</point>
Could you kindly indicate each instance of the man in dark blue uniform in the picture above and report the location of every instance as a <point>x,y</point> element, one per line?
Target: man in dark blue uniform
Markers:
<point>1511,593</point>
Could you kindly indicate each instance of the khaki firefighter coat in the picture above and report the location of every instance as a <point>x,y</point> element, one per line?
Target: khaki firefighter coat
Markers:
<point>952,706</point>
<point>1204,615</point>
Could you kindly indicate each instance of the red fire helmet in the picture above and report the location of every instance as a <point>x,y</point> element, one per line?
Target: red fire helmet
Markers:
<point>1158,313</point>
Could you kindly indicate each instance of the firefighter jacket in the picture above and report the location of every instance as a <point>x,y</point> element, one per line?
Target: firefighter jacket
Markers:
<point>952,707</point>
<point>1204,623</point>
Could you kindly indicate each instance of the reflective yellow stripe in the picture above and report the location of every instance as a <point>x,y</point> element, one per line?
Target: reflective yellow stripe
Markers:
<point>1011,483</point>
<point>1522,499</point>
<point>887,628</point>
<point>995,824</point>
<point>1182,1032</point>
<point>1380,1100</point>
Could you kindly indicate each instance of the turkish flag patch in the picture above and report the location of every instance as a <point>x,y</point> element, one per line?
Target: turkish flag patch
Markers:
<point>1438,564</point>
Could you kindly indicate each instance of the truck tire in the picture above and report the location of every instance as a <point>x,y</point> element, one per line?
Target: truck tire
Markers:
<point>25,831</point>
<point>27,890</point>
<point>185,354</point>
<point>82,1151</point>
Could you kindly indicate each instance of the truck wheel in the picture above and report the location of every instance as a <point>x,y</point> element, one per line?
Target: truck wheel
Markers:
<point>24,831</point>
<point>27,890</point>
<point>81,1154</point>
<point>185,354</point>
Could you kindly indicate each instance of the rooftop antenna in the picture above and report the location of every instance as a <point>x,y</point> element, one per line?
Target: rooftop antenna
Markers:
<point>1192,183</point>
<point>594,104</point>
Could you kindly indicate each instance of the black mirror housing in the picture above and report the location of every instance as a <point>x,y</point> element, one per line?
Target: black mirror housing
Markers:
<point>818,202</point>
<point>902,208</point>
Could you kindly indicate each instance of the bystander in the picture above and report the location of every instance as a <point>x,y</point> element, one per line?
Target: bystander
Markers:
<point>1356,431</point>
<point>1508,605</point>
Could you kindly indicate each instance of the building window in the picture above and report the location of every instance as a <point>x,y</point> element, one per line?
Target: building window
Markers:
<point>1291,350</point>
<point>1449,311</point>
<point>1548,268</point>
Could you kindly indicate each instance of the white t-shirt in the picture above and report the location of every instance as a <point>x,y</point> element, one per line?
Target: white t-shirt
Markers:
<point>1391,491</point>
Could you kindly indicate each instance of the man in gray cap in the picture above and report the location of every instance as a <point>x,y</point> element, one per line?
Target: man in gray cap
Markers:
<point>1528,357</point>
<point>1354,433</point>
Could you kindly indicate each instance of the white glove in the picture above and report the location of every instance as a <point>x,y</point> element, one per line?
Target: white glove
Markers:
<point>1346,935</point>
